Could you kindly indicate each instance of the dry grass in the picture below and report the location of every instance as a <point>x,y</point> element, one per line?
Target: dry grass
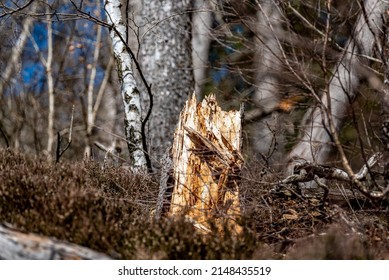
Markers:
<point>110,211</point>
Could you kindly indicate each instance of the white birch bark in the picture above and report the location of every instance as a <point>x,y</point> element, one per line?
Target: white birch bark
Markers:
<point>129,90</point>
<point>201,41</point>
<point>315,143</point>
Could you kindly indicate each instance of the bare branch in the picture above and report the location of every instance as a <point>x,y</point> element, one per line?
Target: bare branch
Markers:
<point>5,137</point>
<point>308,171</point>
<point>59,153</point>
<point>10,11</point>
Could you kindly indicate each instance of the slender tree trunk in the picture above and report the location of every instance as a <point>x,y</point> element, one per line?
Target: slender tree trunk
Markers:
<point>315,143</point>
<point>129,89</point>
<point>90,104</point>
<point>50,86</point>
<point>385,105</point>
<point>385,96</point>
<point>167,64</point>
<point>10,108</point>
<point>16,51</point>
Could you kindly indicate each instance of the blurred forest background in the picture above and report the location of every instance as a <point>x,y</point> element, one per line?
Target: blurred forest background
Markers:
<point>281,59</point>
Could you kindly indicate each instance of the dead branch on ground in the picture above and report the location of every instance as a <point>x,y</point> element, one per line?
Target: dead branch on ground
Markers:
<point>305,171</point>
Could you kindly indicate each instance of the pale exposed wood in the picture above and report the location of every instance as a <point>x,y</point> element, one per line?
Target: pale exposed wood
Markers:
<point>15,245</point>
<point>206,162</point>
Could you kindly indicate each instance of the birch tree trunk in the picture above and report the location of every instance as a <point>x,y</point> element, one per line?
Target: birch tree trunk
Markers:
<point>315,143</point>
<point>129,90</point>
<point>166,61</point>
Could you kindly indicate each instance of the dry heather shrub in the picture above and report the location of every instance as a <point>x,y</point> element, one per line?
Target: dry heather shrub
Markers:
<point>109,211</point>
<point>333,245</point>
<point>280,216</point>
<point>76,202</point>
<point>106,210</point>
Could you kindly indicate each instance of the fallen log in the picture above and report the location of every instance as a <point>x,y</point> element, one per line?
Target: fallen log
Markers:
<point>206,165</point>
<point>15,245</point>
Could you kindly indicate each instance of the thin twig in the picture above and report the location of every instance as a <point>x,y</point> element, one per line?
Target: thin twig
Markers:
<point>59,153</point>
<point>12,11</point>
<point>5,137</point>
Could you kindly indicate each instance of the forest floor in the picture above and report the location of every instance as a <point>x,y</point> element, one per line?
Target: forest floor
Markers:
<point>110,210</point>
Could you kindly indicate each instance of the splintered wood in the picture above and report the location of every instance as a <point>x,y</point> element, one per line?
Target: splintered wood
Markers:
<point>207,162</point>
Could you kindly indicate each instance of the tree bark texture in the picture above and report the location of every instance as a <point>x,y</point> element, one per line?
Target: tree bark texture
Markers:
<point>315,143</point>
<point>129,90</point>
<point>15,245</point>
<point>166,60</point>
<point>206,164</point>
<point>201,42</point>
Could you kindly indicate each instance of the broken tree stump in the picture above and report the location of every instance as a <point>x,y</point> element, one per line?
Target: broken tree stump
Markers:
<point>206,165</point>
